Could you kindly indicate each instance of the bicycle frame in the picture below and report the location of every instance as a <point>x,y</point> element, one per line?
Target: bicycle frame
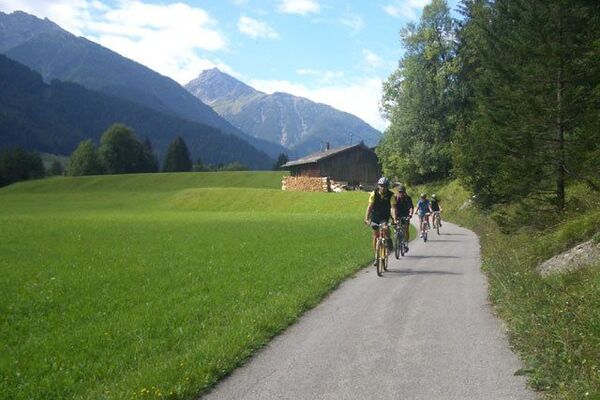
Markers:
<point>399,236</point>
<point>381,249</point>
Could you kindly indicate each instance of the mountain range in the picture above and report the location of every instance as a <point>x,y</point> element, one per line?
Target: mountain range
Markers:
<point>300,125</point>
<point>55,117</point>
<point>55,53</point>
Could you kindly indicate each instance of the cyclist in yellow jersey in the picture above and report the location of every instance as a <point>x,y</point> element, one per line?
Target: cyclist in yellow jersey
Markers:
<point>382,206</point>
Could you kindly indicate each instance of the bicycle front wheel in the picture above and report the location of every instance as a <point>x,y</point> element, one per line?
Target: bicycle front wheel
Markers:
<point>398,246</point>
<point>380,257</point>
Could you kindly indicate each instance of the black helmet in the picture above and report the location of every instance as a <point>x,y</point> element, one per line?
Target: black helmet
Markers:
<point>402,189</point>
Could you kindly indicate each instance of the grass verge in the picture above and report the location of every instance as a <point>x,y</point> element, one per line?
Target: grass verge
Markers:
<point>554,322</point>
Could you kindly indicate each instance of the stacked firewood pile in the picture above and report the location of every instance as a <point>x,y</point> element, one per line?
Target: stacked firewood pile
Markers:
<point>305,184</point>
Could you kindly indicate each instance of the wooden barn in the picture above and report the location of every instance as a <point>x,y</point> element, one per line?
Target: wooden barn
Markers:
<point>356,164</point>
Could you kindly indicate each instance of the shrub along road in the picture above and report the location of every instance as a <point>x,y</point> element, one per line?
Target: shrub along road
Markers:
<point>423,331</point>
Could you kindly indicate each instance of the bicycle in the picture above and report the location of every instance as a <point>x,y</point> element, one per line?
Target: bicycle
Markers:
<point>436,221</point>
<point>399,242</point>
<point>425,226</point>
<point>381,248</point>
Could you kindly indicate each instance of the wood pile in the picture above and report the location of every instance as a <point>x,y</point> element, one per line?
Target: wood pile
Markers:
<point>305,184</point>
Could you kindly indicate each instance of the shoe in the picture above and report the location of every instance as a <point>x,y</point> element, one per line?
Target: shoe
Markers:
<point>375,263</point>
<point>440,224</point>
<point>421,235</point>
<point>405,248</point>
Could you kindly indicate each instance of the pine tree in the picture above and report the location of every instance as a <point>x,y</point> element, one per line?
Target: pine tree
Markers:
<point>178,157</point>
<point>281,159</point>
<point>149,161</point>
<point>535,87</point>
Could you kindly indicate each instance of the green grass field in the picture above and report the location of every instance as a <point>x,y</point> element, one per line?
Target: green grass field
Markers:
<point>157,285</point>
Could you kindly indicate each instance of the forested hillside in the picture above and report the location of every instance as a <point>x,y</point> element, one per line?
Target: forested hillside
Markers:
<point>54,118</point>
<point>506,99</point>
<point>57,54</point>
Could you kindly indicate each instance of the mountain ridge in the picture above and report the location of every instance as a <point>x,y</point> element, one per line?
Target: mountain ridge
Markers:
<point>58,54</point>
<point>297,123</point>
<point>56,117</point>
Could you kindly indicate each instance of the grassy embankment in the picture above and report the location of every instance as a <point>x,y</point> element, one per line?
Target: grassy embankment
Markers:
<point>554,322</point>
<point>155,286</point>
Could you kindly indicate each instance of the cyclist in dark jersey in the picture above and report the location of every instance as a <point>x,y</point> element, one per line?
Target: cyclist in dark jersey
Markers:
<point>404,208</point>
<point>382,206</point>
<point>435,206</point>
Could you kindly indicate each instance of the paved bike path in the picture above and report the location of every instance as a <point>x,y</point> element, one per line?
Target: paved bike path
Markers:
<point>425,330</point>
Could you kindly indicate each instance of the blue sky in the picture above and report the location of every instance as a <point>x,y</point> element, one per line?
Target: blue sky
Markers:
<point>336,52</point>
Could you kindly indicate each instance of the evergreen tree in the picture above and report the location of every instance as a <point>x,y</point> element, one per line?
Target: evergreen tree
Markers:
<point>418,100</point>
<point>281,159</point>
<point>149,161</point>
<point>84,160</point>
<point>178,157</point>
<point>120,151</point>
<point>535,74</point>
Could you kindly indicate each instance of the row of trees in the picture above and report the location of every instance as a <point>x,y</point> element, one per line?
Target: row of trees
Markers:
<point>506,99</point>
<point>121,152</point>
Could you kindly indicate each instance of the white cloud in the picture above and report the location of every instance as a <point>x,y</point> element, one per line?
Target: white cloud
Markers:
<point>172,39</point>
<point>301,7</point>
<point>372,59</point>
<point>359,97</point>
<point>406,8</point>
<point>353,21</point>
<point>72,15</point>
<point>256,29</point>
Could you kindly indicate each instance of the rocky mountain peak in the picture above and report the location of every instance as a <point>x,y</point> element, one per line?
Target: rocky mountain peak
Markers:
<point>214,85</point>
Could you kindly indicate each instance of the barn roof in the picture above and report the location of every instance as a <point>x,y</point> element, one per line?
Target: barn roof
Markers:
<point>321,155</point>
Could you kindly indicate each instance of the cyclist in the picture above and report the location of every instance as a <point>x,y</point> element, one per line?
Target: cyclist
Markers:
<point>404,208</point>
<point>382,206</point>
<point>423,211</point>
<point>435,206</point>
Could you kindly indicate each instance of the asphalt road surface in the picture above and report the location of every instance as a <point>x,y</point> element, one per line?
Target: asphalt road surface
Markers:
<point>425,330</point>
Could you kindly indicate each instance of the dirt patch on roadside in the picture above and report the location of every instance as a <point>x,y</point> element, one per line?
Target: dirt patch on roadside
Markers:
<point>581,256</point>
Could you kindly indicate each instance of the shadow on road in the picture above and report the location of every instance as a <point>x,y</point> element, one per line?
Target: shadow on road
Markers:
<point>410,271</point>
<point>411,256</point>
<point>442,240</point>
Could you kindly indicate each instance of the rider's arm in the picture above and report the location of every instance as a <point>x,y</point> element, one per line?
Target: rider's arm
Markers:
<point>393,208</point>
<point>368,213</point>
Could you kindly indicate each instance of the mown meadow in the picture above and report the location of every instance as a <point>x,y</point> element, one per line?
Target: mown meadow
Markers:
<point>157,285</point>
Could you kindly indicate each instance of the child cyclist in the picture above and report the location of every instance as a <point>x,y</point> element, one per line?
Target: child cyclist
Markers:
<point>423,211</point>
<point>404,209</point>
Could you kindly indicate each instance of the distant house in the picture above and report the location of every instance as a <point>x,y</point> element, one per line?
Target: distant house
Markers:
<point>355,164</point>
